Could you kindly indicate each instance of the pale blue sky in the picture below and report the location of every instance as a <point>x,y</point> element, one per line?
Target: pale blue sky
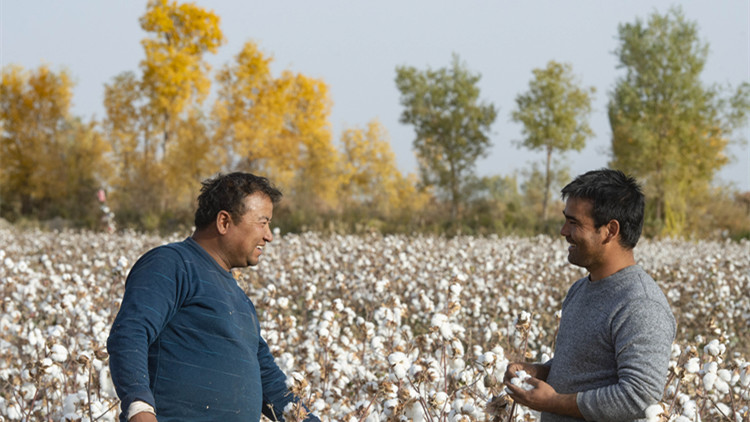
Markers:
<point>355,46</point>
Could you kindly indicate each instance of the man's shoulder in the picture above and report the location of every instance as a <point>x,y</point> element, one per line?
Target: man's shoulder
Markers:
<point>164,255</point>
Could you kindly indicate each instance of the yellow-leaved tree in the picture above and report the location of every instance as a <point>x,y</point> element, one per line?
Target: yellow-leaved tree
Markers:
<point>51,163</point>
<point>371,183</point>
<point>278,127</point>
<point>158,134</point>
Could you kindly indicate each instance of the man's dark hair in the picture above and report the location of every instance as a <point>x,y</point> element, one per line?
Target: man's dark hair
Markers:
<point>227,193</point>
<point>614,196</point>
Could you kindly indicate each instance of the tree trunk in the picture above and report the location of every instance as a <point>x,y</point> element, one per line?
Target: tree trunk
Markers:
<point>547,183</point>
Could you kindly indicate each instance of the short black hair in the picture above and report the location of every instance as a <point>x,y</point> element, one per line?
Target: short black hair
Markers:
<point>227,192</point>
<point>614,196</point>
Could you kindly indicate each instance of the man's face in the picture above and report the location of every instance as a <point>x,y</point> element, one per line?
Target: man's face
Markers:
<point>246,238</point>
<point>586,242</point>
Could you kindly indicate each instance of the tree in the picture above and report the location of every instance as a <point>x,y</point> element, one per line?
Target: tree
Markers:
<point>554,114</point>
<point>51,163</point>
<point>451,124</point>
<point>668,128</point>
<point>370,178</point>
<point>175,74</point>
<point>277,126</point>
<point>157,171</point>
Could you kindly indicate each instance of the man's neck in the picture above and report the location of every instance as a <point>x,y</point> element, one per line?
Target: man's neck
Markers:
<point>617,263</point>
<point>209,241</point>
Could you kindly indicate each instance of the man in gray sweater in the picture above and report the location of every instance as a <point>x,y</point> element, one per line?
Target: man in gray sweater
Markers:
<point>616,332</point>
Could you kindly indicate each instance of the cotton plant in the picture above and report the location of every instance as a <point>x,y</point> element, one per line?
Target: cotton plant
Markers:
<point>380,328</point>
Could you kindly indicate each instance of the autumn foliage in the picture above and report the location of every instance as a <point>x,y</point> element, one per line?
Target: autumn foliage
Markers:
<point>176,121</point>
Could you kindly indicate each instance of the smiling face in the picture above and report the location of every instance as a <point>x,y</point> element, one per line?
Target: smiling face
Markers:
<point>587,243</point>
<point>244,239</point>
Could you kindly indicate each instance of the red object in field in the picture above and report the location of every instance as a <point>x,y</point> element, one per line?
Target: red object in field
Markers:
<point>101,195</point>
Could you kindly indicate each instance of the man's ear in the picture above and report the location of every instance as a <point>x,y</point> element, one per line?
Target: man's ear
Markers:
<point>612,230</point>
<point>223,221</point>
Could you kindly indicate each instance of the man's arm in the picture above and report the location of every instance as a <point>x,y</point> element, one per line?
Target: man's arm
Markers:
<point>643,343</point>
<point>149,301</point>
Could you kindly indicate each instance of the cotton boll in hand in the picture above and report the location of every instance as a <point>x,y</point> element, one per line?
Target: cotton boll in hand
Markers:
<point>520,381</point>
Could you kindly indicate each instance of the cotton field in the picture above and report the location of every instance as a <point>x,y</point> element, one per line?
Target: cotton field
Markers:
<point>371,328</point>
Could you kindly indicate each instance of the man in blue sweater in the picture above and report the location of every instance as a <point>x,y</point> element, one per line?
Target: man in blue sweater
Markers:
<point>186,343</point>
<point>613,345</point>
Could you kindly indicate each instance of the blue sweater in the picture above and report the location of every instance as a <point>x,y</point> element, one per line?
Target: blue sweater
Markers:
<point>187,341</point>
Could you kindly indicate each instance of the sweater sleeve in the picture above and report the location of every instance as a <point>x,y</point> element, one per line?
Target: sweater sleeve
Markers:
<point>153,291</point>
<point>643,339</point>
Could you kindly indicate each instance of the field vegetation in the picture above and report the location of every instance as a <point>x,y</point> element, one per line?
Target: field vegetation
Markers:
<point>371,327</point>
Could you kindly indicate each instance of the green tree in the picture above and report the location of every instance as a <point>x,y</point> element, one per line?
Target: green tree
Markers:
<point>554,113</point>
<point>668,128</point>
<point>451,125</point>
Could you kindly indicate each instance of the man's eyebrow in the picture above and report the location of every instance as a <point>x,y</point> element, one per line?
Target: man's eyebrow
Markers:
<point>569,217</point>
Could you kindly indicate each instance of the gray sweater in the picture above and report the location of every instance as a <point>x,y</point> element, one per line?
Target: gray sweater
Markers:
<point>613,346</point>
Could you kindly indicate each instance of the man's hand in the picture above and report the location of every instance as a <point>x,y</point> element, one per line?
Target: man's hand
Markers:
<point>544,398</point>
<point>143,417</point>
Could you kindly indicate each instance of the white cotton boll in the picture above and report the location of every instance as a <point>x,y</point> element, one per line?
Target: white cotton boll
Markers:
<point>399,371</point>
<point>723,408</point>
<point>711,367</point>
<point>693,365</point>
<point>13,412</point>
<point>676,351</point>
<point>282,302</point>
<point>328,316</point>
<point>520,380</point>
<point>439,399</point>
<point>654,412</point>
<point>415,369</point>
<point>714,348</point>
<point>708,380</point>
<point>745,375</point>
<point>415,412</point>
<point>53,371</point>
<point>28,391</point>
<point>682,418</point>
<point>318,406</point>
<point>399,364</point>
<point>293,379</point>
<point>389,406</point>
<point>440,322</point>
<point>487,359</point>
<point>338,305</point>
<point>721,386</point>
<point>105,381</point>
<point>70,405</point>
<point>58,353</point>
<point>689,408</point>
<point>55,331</point>
<point>446,330</point>
<point>381,286</point>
